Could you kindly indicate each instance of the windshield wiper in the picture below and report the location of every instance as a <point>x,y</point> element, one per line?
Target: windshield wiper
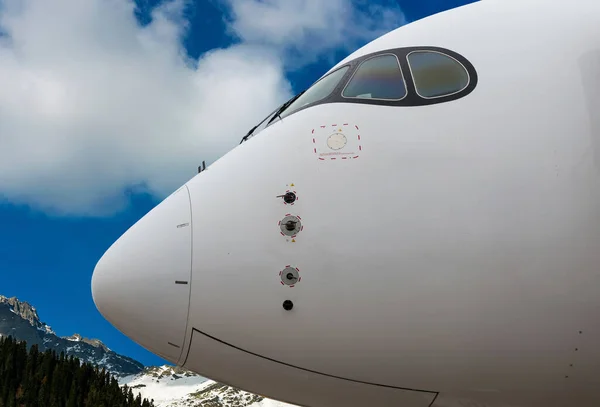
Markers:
<point>247,136</point>
<point>273,115</point>
<point>285,106</point>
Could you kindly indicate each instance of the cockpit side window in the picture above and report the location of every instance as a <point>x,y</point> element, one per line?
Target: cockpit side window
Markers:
<point>379,77</point>
<point>436,74</point>
<point>319,90</point>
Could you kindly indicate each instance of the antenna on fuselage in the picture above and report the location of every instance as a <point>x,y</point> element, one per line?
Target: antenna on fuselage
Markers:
<point>202,167</point>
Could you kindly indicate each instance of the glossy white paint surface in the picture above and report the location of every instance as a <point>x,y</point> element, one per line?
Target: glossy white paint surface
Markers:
<point>134,283</point>
<point>457,255</point>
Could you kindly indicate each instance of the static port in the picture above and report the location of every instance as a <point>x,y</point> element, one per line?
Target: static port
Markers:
<point>288,305</point>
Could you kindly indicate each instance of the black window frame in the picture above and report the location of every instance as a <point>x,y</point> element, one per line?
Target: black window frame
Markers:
<point>412,98</point>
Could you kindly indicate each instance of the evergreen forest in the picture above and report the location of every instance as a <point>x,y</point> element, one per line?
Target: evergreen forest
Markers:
<point>45,379</point>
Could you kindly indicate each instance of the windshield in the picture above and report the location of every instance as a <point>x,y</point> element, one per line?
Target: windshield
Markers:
<point>321,89</point>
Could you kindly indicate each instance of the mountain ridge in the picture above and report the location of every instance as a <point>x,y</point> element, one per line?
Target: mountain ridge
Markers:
<point>26,311</point>
<point>97,343</point>
<point>21,320</point>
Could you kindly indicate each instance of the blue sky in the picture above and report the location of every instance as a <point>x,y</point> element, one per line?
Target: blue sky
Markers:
<point>106,108</point>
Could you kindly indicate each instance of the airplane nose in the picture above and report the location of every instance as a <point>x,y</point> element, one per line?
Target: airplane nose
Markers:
<point>141,285</point>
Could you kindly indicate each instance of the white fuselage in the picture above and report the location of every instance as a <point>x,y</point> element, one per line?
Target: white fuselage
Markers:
<point>449,257</point>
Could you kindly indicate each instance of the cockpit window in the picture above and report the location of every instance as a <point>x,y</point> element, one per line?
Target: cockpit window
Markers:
<point>436,74</point>
<point>379,77</point>
<point>406,76</point>
<point>320,90</point>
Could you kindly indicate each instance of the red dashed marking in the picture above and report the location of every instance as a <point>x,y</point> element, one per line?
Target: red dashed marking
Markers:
<point>299,279</point>
<point>293,237</point>
<point>291,286</point>
<point>280,272</point>
<point>279,223</point>
<point>282,283</point>
<point>302,228</point>
<point>315,150</point>
<point>287,266</point>
<point>299,217</point>
<point>297,269</point>
<point>282,234</point>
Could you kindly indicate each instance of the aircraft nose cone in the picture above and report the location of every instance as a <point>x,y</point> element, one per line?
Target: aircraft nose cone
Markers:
<point>141,285</point>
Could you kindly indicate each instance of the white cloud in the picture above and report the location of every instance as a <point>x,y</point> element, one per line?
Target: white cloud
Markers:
<point>305,29</point>
<point>92,103</point>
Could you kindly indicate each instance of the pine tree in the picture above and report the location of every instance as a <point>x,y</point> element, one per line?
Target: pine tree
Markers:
<point>29,379</point>
<point>72,400</point>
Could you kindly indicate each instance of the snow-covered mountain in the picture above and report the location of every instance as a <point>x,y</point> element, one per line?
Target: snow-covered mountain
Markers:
<point>20,320</point>
<point>171,386</point>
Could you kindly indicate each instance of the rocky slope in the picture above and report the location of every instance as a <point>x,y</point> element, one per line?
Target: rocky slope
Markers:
<point>20,320</point>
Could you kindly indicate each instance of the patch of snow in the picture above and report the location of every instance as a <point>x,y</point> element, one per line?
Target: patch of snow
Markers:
<point>165,390</point>
<point>159,384</point>
<point>46,328</point>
